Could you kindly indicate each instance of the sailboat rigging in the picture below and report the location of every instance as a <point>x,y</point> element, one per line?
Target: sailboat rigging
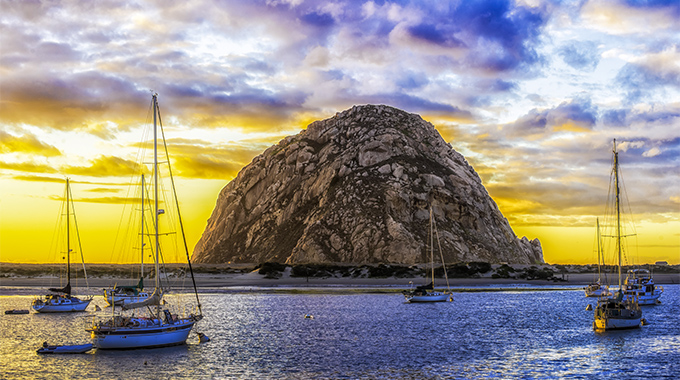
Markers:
<point>598,289</point>
<point>62,300</point>
<point>617,313</point>
<point>162,327</point>
<point>426,293</point>
<point>123,294</point>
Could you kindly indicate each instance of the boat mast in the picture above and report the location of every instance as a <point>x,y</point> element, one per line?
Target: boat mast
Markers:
<point>431,247</point>
<point>155,188</point>
<point>142,246</point>
<point>68,239</point>
<point>618,211</point>
<point>600,260</point>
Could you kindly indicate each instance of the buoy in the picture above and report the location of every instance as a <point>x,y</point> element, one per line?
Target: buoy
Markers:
<point>309,316</point>
<point>644,322</point>
<point>97,308</point>
<point>202,338</point>
<point>589,307</point>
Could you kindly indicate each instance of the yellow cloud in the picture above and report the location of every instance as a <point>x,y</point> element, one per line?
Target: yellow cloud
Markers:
<point>27,143</point>
<point>105,166</point>
<point>103,200</point>
<point>206,167</point>
<point>569,127</point>
<point>29,167</point>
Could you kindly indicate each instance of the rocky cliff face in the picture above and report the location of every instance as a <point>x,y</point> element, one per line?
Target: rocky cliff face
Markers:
<point>356,188</point>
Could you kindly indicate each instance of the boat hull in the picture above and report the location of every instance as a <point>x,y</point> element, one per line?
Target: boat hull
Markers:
<point>76,349</point>
<point>616,315</point>
<point>430,297</point>
<point>120,300</point>
<point>61,306</point>
<point>644,298</point>
<point>597,291</point>
<point>145,337</point>
<point>616,323</point>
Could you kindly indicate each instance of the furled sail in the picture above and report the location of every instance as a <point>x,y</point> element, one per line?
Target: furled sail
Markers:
<point>66,289</point>
<point>153,299</point>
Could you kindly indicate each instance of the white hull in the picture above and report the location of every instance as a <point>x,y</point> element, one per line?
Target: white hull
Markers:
<point>120,300</point>
<point>597,290</point>
<point>430,297</point>
<point>62,305</point>
<point>124,338</point>
<point>644,298</point>
<point>640,285</point>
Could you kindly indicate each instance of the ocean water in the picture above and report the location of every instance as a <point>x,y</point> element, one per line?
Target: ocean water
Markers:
<point>528,334</point>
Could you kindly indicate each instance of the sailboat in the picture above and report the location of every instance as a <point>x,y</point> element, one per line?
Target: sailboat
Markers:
<point>617,313</point>
<point>161,327</point>
<point>61,299</point>
<point>597,289</point>
<point>119,295</point>
<point>426,293</point>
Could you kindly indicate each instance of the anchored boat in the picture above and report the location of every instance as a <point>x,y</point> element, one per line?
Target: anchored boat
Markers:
<point>617,313</point>
<point>61,299</point>
<point>162,326</point>
<point>640,285</point>
<point>426,293</point>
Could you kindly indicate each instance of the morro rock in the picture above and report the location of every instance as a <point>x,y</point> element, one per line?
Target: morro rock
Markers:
<point>356,188</point>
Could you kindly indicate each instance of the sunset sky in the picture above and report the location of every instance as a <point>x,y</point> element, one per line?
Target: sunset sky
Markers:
<point>531,92</point>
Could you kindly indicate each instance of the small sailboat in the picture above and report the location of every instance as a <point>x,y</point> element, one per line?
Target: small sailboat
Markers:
<point>617,313</point>
<point>124,294</point>
<point>61,299</point>
<point>640,285</point>
<point>161,327</point>
<point>426,293</point>
<point>597,289</point>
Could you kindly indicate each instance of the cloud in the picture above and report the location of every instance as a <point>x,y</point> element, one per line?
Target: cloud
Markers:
<point>629,17</point>
<point>26,143</point>
<point>580,55</point>
<point>200,159</point>
<point>574,115</point>
<point>29,167</point>
<point>103,200</point>
<point>652,72</point>
<point>104,166</point>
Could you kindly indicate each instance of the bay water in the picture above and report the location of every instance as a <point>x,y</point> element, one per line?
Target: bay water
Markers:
<point>530,333</point>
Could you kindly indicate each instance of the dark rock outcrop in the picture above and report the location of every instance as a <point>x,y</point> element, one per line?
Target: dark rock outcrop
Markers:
<point>356,188</point>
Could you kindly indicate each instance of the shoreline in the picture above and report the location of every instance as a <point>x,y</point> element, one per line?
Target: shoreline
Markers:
<point>255,282</point>
<point>25,279</point>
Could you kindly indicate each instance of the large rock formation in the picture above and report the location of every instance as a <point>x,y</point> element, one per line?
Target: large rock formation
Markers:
<point>356,188</point>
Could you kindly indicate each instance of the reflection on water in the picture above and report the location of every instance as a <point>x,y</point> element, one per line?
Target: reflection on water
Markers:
<point>542,334</point>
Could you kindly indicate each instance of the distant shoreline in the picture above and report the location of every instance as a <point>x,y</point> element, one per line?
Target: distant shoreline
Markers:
<point>245,278</point>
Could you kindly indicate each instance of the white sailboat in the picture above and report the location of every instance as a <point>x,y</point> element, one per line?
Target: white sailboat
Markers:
<point>61,300</point>
<point>617,313</point>
<point>119,295</point>
<point>597,288</point>
<point>640,285</point>
<point>161,327</point>
<point>426,293</point>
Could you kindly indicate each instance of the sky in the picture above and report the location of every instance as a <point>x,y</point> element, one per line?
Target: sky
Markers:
<point>531,92</point>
